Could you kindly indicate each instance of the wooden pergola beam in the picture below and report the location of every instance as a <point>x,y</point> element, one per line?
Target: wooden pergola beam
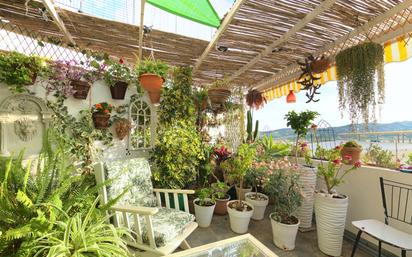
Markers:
<point>59,22</point>
<point>292,71</point>
<point>222,28</point>
<point>284,38</point>
<point>141,29</point>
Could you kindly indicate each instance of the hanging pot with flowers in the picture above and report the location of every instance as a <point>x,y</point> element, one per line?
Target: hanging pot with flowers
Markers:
<point>118,77</point>
<point>101,115</point>
<point>255,99</point>
<point>152,75</point>
<point>122,127</point>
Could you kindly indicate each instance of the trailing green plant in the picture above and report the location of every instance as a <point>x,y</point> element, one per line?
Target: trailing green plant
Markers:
<point>148,66</point>
<point>176,155</point>
<point>83,234</point>
<point>206,197</point>
<point>18,70</point>
<point>177,98</point>
<point>118,71</point>
<point>376,155</point>
<point>300,123</point>
<point>283,187</point>
<point>356,68</point>
<point>252,135</point>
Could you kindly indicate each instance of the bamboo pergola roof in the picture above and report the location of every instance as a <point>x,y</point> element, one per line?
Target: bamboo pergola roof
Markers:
<point>264,38</point>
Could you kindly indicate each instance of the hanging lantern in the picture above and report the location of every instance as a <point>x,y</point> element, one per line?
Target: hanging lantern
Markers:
<point>291,98</point>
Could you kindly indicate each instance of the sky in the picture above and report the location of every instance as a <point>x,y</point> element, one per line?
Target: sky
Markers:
<point>398,92</point>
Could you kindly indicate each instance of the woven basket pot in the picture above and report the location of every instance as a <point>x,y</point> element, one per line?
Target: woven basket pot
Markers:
<point>353,152</point>
<point>307,182</point>
<point>152,83</point>
<point>118,90</point>
<point>218,95</point>
<point>122,128</point>
<point>81,88</point>
<point>101,120</point>
<point>330,223</point>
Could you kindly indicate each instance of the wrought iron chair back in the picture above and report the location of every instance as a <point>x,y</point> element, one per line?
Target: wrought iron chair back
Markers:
<point>397,201</point>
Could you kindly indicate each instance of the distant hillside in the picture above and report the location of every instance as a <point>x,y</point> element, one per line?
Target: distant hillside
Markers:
<point>287,133</point>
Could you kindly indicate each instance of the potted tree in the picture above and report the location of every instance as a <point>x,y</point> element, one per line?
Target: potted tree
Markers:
<point>301,123</point>
<point>351,151</point>
<point>18,70</point>
<point>256,175</point>
<point>101,115</point>
<point>283,187</point>
<point>330,206</point>
<point>118,76</point>
<point>204,207</point>
<point>152,74</point>
<point>240,211</point>
<point>221,197</point>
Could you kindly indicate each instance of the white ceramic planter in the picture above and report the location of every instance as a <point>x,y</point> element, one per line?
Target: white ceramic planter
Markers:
<point>284,235</point>
<point>307,181</point>
<point>204,214</point>
<point>240,193</point>
<point>258,205</point>
<point>239,221</point>
<point>330,223</point>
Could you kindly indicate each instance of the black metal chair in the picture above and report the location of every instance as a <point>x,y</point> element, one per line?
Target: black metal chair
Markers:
<point>397,205</point>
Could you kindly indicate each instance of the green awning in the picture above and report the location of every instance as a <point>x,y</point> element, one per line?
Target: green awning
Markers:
<point>200,11</point>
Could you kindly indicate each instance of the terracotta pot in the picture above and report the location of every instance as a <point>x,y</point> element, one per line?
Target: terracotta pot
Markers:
<point>221,206</point>
<point>152,83</point>
<point>118,90</point>
<point>101,120</point>
<point>81,88</point>
<point>122,128</point>
<point>354,152</point>
<point>320,66</point>
<point>218,95</point>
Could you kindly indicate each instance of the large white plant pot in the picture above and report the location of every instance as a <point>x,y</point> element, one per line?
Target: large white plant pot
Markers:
<point>258,205</point>
<point>330,222</point>
<point>240,193</point>
<point>307,181</point>
<point>239,221</point>
<point>204,214</point>
<point>284,235</point>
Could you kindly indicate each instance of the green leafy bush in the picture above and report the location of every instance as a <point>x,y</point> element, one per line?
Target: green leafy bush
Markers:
<point>18,70</point>
<point>118,71</point>
<point>375,155</point>
<point>152,67</point>
<point>273,149</point>
<point>352,144</point>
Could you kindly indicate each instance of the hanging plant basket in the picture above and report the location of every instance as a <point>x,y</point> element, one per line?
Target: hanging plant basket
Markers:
<point>122,127</point>
<point>320,65</point>
<point>81,88</point>
<point>118,90</point>
<point>218,95</point>
<point>101,120</point>
<point>152,83</point>
<point>254,99</point>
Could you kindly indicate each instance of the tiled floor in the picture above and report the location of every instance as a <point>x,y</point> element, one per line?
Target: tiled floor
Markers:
<point>306,243</point>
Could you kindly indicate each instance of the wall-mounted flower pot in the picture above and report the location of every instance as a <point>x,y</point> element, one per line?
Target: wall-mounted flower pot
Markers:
<point>81,89</point>
<point>239,219</point>
<point>122,127</point>
<point>330,222</point>
<point>284,235</point>
<point>101,120</point>
<point>353,152</point>
<point>152,83</point>
<point>218,95</point>
<point>118,90</point>
<point>204,214</point>
<point>307,182</point>
<point>221,206</point>
<point>259,202</point>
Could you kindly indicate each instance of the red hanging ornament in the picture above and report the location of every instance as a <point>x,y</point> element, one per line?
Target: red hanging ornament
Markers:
<point>291,98</point>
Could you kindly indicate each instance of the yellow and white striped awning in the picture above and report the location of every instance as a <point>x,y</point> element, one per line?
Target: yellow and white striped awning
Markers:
<point>396,50</point>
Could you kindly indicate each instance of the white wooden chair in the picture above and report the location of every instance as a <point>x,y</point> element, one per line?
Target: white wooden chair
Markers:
<point>397,202</point>
<point>155,229</point>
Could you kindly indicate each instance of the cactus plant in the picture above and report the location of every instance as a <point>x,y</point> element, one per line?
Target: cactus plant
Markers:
<point>251,134</point>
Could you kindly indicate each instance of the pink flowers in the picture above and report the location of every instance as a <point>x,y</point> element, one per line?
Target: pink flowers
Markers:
<point>339,147</point>
<point>337,162</point>
<point>121,61</point>
<point>357,164</point>
<point>347,157</point>
<point>221,154</point>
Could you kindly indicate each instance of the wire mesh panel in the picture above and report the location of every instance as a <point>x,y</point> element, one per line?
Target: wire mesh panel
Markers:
<point>324,136</point>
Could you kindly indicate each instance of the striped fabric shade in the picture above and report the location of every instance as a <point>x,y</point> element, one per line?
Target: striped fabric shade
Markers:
<point>396,50</point>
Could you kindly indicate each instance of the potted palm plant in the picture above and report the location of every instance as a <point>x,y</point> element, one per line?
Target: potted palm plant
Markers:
<point>221,197</point>
<point>152,74</point>
<point>101,115</point>
<point>330,206</point>
<point>300,124</point>
<point>284,189</point>
<point>240,211</point>
<point>18,70</point>
<point>351,151</point>
<point>118,77</point>
<point>256,175</point>
<point>204,207</point>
